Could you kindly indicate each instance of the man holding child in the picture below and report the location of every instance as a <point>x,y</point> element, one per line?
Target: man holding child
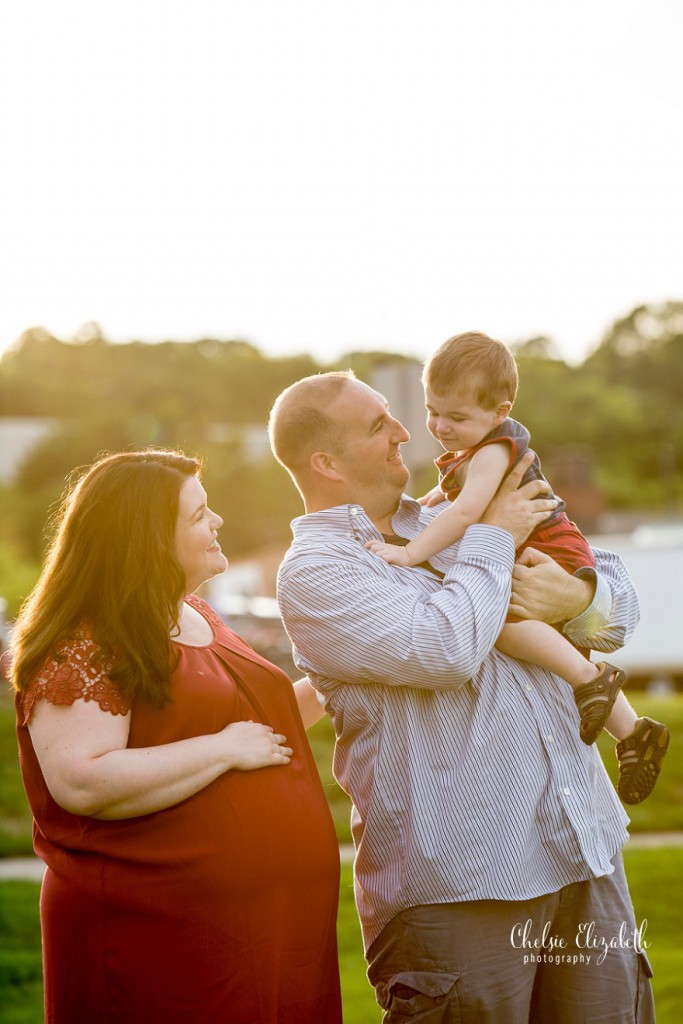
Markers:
<point>479,814</point>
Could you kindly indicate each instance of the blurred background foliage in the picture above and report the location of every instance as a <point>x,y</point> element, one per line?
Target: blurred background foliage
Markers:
<point>212,398</point>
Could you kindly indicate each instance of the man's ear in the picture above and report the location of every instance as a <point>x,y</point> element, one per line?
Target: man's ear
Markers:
<point>503,411</point>
<point>325,465</point>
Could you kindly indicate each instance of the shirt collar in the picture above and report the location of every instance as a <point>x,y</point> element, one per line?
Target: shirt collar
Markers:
<point>352,521</point>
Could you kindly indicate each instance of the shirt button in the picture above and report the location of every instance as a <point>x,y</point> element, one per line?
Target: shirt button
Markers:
<point>354,512</point>
<point>566,790</point>
<point>528,686</point>
<point>551,739</point>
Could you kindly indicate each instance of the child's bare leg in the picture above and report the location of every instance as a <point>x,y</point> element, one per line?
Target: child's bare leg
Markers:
<point>596,687</point>
<point>622,720</point>
<point>542,645</point>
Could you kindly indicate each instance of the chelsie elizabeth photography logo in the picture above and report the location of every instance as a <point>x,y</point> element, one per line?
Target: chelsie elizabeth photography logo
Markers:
<point>588,944</point>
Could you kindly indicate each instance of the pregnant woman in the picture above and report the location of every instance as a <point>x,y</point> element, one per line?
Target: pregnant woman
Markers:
<point>192,865</point>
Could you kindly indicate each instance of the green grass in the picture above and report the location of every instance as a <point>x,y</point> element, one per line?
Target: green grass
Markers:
<point>321,739</point>
<point>358,996</point>
<point>663,810</point>
<point>21,982</point>
<point>655,877</point>
<point>15,817</point>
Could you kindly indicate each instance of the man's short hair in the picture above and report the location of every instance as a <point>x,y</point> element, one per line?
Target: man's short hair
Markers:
<point>476,363</point>
<point>299,423</point>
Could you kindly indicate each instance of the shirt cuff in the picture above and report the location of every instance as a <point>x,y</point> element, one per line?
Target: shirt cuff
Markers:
<point>488,544</point>
<point>596,616</point>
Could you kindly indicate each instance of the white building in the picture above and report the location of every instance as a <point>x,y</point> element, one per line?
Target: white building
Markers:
<point>18,436</point>
<point>653,555</point>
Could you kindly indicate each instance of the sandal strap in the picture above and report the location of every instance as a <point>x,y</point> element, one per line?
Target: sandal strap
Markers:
<point>640,759</point>
<point>649,741</point>
<point>596,698</point>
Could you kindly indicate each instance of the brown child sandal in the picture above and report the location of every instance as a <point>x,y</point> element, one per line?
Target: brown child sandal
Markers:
<point>596,699</point>
<point>640,759</point>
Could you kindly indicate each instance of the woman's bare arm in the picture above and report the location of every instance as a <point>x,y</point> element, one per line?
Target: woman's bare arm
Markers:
<point>89,769</point>
<point>310,708</point>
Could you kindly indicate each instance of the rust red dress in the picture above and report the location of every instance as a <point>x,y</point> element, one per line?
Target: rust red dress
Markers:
<point>219,910</point>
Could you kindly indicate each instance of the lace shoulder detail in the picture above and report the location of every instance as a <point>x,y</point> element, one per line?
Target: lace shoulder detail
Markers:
<point>74,672</point>
<point>205,609</point>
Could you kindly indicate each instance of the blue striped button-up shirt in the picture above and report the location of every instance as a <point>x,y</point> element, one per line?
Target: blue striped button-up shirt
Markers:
<point>467,774</point>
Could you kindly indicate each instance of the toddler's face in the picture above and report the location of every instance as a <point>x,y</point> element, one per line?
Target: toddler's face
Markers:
<point>458,422</point>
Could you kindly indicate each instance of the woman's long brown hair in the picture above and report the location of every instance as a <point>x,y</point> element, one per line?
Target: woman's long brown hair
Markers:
<point>112,567</point>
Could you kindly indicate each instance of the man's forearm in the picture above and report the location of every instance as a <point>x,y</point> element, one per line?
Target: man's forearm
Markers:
<point>576,597</point>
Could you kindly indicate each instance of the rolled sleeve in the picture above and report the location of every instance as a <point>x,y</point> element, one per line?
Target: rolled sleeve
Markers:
<point>613,614</point>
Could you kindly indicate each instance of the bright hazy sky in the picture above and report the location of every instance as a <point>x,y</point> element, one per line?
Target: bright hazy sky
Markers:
<point>318,176</point>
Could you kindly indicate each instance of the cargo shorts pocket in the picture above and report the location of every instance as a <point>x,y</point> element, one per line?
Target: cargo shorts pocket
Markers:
<point>419,997</point>
<point>645,1011</point>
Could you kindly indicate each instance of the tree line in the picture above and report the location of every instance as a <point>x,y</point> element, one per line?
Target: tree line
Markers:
<point>622,404</point>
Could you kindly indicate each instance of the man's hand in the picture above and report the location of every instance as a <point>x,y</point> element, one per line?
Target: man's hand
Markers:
<point>519,510</point>
<point>541,589</point>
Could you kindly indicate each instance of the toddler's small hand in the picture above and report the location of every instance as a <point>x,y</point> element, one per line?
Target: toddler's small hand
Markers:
<point>390,553</point>
<point>433,497</point>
